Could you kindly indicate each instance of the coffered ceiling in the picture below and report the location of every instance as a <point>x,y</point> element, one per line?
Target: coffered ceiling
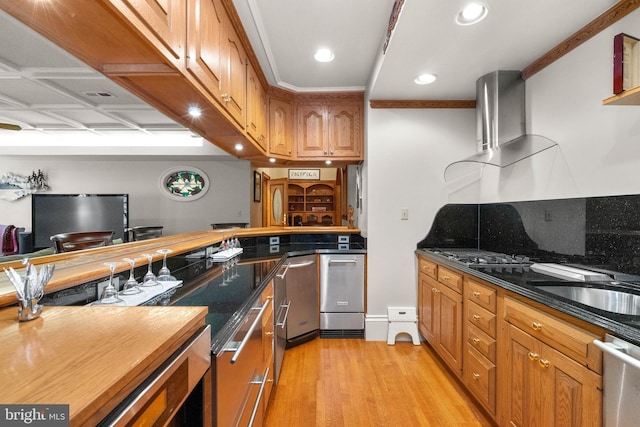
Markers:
<point>45,90</point>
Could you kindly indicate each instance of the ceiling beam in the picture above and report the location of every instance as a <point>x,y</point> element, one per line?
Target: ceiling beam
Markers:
<point>609,17</point>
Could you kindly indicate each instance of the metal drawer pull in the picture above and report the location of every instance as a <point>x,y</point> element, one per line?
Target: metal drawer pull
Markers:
<point>435,291</point>
<point>446,277</point>
<point>286,268</point>
<point>343,261</point>
<point>533,356</point>
<point>247,337</point>
<point>262,381</point>
<point>476,340</point>
<point>476,317</point>
<point>476,294</point>
<point>342,302</point>
<point>475,376</point>
<point>536,326</point>
<point>286,314</point>
<point>544,363</point>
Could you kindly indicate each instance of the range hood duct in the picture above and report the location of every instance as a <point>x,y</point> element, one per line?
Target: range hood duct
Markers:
<point>500,124</point>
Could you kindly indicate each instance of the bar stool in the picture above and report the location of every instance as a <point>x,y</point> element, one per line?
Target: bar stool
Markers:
<point>145,232</point>
<point>69,242</point>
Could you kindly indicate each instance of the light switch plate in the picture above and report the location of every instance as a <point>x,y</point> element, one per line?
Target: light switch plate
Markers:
<point>404,213</point>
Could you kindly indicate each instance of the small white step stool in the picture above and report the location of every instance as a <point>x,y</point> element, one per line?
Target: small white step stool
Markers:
<point>402,320</point>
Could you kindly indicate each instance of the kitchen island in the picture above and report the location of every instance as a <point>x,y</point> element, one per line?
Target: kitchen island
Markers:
<point>90,358</point>
<point>229,298</point>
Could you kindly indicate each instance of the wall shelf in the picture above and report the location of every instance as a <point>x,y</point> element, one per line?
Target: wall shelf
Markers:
<point>628,97</point>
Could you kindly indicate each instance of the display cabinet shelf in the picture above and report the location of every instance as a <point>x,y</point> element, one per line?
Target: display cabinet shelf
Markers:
<point>311,203</point>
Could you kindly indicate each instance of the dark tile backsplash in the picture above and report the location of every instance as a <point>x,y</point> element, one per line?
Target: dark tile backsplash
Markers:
<point>603,231</point>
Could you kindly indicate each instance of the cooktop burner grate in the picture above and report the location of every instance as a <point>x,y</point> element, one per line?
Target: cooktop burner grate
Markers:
<point>478,257</point>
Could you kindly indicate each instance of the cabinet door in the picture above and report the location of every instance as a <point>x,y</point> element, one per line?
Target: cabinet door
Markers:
<point>234,86</point>
<point>345,137</point>
<point>547,388</point>
<point>280,127</point>
<point>256,109</point>
<point>161,20</point>
<point>427,319</point>
<point>205,21</point>
<point>312,132</point>
<point>449,328</point>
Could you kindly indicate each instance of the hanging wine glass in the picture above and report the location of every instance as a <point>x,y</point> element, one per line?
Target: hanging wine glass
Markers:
<point>149,279</point>
<point>164,275</point>
<point>131,285</point>
<point>110,293</point>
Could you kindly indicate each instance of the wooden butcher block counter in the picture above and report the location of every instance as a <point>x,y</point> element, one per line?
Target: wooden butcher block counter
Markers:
<point>88,357</point>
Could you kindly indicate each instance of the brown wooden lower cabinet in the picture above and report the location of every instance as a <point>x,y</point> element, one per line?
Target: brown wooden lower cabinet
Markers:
<point>525,365</point>
<point>440,314</point>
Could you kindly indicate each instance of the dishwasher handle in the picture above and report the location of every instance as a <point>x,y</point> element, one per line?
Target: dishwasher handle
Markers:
<point>247,337</point>
<point>296,265</point>
<point>617,352</point>
<point>343,261</point>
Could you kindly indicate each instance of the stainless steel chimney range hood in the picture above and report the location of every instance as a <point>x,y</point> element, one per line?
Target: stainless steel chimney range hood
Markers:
<point>500,125</point>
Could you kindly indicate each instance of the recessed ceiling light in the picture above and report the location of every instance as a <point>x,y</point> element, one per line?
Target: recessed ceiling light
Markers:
<point>239,147</point>
<point>472,14</point>
<point>324,55</point>
<point>195,111</point>
<point>272,160</point>
<point>425,79</point>
<point>327,162</point>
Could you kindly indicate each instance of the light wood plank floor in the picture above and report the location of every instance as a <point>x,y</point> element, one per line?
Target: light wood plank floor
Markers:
<point>353,382</point>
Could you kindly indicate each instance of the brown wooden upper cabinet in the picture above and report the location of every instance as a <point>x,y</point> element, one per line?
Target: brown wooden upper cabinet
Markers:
<point>215,56</point>
<point>280,127</point>
<point>256,109</point>
<point>162,22</point>
<point>330,130</point>
<point>177,53</point>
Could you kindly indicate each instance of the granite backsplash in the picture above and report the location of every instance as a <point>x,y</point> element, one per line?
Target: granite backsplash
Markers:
<point>597,231</point>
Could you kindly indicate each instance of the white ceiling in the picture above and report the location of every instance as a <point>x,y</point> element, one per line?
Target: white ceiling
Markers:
<point>47,90</point>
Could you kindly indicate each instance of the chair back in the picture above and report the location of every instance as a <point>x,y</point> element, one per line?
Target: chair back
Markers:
<point>145,232</point>
<point>69,242</point>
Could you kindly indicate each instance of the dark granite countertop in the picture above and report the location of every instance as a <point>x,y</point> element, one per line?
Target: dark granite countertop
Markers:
<point>229,297</point>
<point>521,282</point>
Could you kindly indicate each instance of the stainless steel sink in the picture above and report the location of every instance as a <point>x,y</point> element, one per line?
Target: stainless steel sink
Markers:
<point>614,301</point>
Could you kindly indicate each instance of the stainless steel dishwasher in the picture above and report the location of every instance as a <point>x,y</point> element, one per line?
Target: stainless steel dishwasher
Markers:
<point>621,382</point>
<point>342,295</point>
<point>301,277</point>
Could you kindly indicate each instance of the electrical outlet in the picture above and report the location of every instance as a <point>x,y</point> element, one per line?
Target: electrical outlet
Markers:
<point>404,213</point>
<point>548,216</point>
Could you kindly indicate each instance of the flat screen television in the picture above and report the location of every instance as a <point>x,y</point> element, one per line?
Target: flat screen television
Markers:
<point>67,213</point>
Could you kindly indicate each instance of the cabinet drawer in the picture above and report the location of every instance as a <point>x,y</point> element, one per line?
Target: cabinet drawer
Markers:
<point>482,295</point>
<point>427,267</point>
<point>483,319</point>
<point>450,278</point>
<point>562,336</point>
<point>480,377</point>
<point>481,342</point>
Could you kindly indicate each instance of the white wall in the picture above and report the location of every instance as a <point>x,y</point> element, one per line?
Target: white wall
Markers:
<point>598,153</point>
<point>407,153</point>
<point>226,201</point>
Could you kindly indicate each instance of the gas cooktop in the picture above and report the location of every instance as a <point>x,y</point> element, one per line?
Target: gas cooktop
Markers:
<point>486,260</point>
